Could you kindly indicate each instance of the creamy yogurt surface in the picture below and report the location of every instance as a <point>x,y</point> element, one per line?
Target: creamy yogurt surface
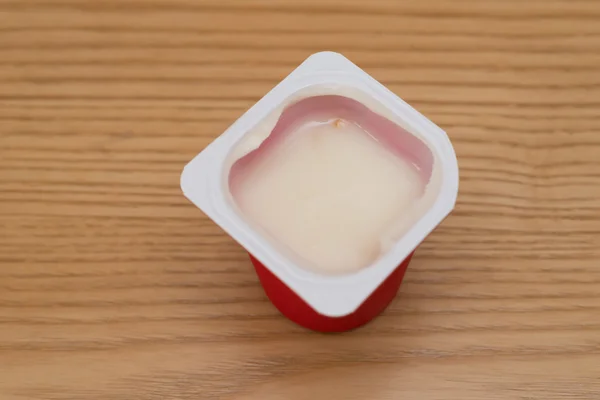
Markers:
<point>332,183</point>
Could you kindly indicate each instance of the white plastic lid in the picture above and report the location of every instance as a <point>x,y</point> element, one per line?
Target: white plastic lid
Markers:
<point>333,296</point>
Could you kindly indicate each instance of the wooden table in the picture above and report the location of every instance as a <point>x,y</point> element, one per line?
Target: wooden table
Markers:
<point>114,287</point>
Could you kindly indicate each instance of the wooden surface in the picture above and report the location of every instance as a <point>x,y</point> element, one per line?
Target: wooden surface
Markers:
<point>114,287</point>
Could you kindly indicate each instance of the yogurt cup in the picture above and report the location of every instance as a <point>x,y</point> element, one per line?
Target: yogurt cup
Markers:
<point>327,303</point>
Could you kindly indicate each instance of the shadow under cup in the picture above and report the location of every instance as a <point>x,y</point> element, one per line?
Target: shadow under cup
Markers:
<point>391,136</point>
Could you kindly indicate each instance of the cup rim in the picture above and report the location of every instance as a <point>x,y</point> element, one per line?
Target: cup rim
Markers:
<point>339,295</point>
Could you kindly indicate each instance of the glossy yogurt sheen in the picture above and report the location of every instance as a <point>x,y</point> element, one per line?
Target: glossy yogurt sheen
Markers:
<point>333,183</point>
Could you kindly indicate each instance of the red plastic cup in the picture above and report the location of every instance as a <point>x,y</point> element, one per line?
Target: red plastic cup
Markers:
<point>297,310</point>
<point>326,303</point>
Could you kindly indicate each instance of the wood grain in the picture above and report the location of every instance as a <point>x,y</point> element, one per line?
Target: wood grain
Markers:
<point>114,287</point>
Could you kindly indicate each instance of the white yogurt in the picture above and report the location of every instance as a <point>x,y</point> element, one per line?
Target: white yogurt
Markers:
<point>327,189</point>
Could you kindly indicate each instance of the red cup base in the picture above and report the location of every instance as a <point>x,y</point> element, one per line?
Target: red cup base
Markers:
<point>297,310</point>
